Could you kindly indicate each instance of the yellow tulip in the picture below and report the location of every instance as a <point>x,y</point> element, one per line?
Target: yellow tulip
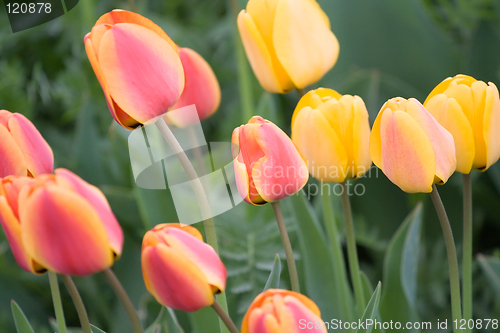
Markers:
<point>470,111</point>
<point>289,43</point>
<point>332,133</point>
<point>412,149</point>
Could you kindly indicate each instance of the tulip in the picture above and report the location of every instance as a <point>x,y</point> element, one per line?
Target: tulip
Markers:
<point>137,65</point>
<point>470,111</point>
<point>267,165</point>
<point>201,89</point>
<point>24,151</point>
<point>59,223</point>
<point>411,147</point>
<point>179,269</point>
<point>332,133</point>
<point>277,310</point>
<point>289,43</point>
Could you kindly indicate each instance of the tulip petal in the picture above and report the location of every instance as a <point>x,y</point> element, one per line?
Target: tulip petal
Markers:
<point>304,43</point>
<point>440,139</point>
<point>407,155</point>
<point>199,253</point>
<point>173,280</point>
<point>63,232</point>
<point>296,311</point>
<point>99,202</point>
<point>12,161</point>
<point>478,89</point>
<point>320,145</point>
<point>143,72</point>
<point>360,137</point>
<point>449,114</point>
<point>201,89</point>
<point>314,98</point>
<point>37,153</point>
<point>240,169</point>
<point>491,125</point>
<point>259,55</point>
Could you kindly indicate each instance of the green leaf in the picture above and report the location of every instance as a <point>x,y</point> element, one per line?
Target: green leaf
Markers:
<point>400,271</point>
<point>274,277</point>
<point>22,323</point>
<point>366,284</point>
<point>371,310</point>
<point>204,321</point>
<point>96,329</point>
<point>167,320</point>
<point>491,268</point>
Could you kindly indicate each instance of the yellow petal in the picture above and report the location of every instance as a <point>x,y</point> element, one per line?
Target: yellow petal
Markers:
<point>491,125</point>
<point>479,95</point>
<point>314,98</point>
<point>360,137</point>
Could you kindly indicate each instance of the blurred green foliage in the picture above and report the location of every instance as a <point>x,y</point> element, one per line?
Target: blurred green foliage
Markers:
<point>387,49</point>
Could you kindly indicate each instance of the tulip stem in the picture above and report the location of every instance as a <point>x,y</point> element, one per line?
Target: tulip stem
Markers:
<point>292,268</point>
<point>77,300</point>
<point>56,299</point>
<point>352,252</point>
<point>117,287</point>
<point>467,254</point>
<point>452,256</point>
<point>224,317</point>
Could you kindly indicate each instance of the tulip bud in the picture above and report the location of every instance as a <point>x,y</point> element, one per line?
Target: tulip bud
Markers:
<point>332,133</point>
<point>289,43</point>
<point>411,147</point>
<point>470,111</point>
<point>201,89</point>
<point>179,269</point>
<point>267,165</point>
<point>277,310</point>
<point>59,223</point>
<point>24,151</point>
<point>137,65</point>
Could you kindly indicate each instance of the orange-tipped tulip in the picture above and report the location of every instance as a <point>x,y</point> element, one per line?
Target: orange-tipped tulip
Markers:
<point>267,165</point>
<point>470,111</point>
<point>59,223</point>
<point>411,147</point>
<point>201,89</point>
<point>289,43</point>
<point>179,269</point>
<point>277,310</point>
<point>137,65</point>
<point>332,133</point>
<point>23,151</point>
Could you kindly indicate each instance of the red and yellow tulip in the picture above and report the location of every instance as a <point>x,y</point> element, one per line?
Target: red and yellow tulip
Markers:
<point>267,165</point>
<point>412,149</point>
<point>59,223</point>
<point>332,133</point>
<point>470,111</point>
<point>23,150</point>
<point>179,269</point>
<point>283,311</point>
<point>289,43</point>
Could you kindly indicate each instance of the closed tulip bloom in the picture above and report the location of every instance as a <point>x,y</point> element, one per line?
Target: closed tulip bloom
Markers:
<point>201,89</point>
<point>470,111</point>
<point>137,65</point>
<point>23,150</point>
<point>267,165</point>
<point>332,133</point>
<point>282,311</point>
<point>59,223</point>
<point>412,149</point>
<point>288,42</point>
<point>179,269</point>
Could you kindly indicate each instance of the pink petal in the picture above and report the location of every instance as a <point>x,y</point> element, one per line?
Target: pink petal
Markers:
<point>12,161</point>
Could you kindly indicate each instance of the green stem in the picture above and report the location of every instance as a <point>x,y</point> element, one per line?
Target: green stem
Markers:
<point>56,299</point>
<point>120,292</point>
<point>335,249</point>
<point>224,317</point>
<point>352,252</point>
<point>452,256</point>
<point>467,254</point>
<point>77,301</point>
<point>292,268</point>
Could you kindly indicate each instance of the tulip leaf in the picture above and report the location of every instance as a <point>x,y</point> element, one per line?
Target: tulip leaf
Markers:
<point>491,268</point>
<point>400,271</point>
<point>96,329</point>
<point>22,323</point>
<point>316,261</point>
<point>274,277</point>
<point>371,310</point>
<point>366,284</point>
<point>204,321</point>
<point>167,319</point>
